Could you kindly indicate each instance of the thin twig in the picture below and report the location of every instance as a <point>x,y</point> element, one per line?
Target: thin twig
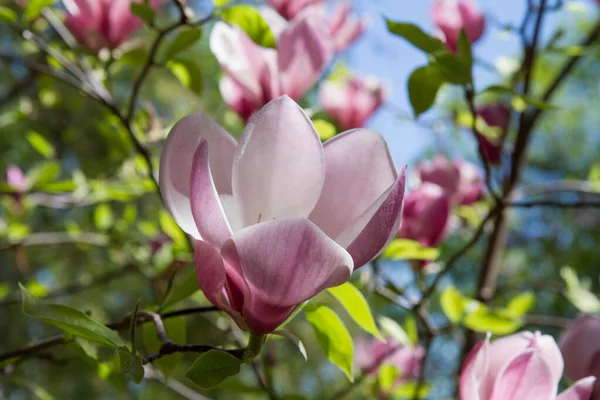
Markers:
<point>546,320</point>
<point>554,204</point>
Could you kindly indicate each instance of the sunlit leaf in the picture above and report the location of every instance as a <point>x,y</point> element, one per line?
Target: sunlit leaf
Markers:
<point>392,329</point>
<point>577,294</point>
<point>250,21</point>
<point>326,130</point>
<point>7,15</point>
<point>452,304</point>
<point>521,304</point>
<point>33,8</point>
<point>415,36</point>
<point>406,249</point>
<point>69,320</point>
<point>357,307</point>
<point>332,335</point>
<point>493,321</point>
<point>212,368</point>
<point>40,144</point>
<point>43,173</point>
<point>103,216</point>
<point>189,73</point>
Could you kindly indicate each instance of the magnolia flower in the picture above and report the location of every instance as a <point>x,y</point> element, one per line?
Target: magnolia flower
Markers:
<point>494,116</point>
<point>452,16</point>
<point>520,366</point>
<point>16,178</point>
<point>352,102</point>
<point>426,215</point>
<point>461,179</point>
<point>342,27</point>
<point>278,216</point>
<point>102,23</point>
<point>581,349</point>
<point>371,354</point>
<point>256,75</point>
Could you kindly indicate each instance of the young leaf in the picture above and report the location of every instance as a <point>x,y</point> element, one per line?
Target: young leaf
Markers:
<point>7,15</point>
<point>43,173</point>
<point>185,286</point>
<point>34,8</point>
<point>143,11</point>
<point>357,307</point>
<point>326,130</point>
<point>415,36</point>
<point>577,294</point>
<point>450,68</point>
<point>40,144</point>
<point>423,85</point>
<point>392,329</point>
<point>453,304</point>
<point>186,38</point>
<point>387,376</point>
<point>188,72</point>
<point>406,249</point>
<point>250,21</point>
<point>131,366</point>
<point>103,217</point>
<point>294,339</point>
<point>520,304</point>
<point>69,320</point>
<point>485,320</point>
<point>332,335</point>
<point>212,368</point>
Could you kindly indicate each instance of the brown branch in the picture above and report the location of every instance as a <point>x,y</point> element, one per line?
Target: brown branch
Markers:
<point>546,320</point>
<point>554,204</point>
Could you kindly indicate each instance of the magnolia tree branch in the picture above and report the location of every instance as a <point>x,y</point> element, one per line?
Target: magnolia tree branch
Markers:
<point>143,317</point>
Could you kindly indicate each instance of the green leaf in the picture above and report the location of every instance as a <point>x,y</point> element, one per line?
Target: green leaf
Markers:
<point>518,98</point>
<point>520,304</point>
<point>221,3</point>
<point>326,130</point>
<point>176,330</point>
<point>332,335</point>
<point>392,329</point>
<point>453,304</point>
<point>143,11</point>
<point>89,348</point>
<point>465,55</point>
<point>103,216</point>
<point>493,321</point>
<point>34,8</point>
<point>577,294</point>
<point>250,21</point>
<point>294,339</point>
<point>7,15</point>
<point>131,366</point>
<point>40,144</point>
<point>450,68</point>
<point>184,39</point>
<point>408,390</point>
<point>69,320</point>
<point>170,227</point>
<point>415,36</point>
<point>387,376</point>
<point>43,173</point>
<point>184,287</point>
<point>188,72</point>
<point>293,314</point>
<point>212,368</point>
<point>406,249</point>
<point>410,327</point>
<point>423,85</point>
<point>356,306</point>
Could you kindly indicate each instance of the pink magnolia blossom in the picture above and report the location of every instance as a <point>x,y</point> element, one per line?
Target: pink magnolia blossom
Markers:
<point>452,16</point>
<point>426,215</point>
<point>371,354</point>
<point>580,348</point>
<point>461,179</point>
<point>255,75</point>
<point>341,26</point>
<point>270,215</point>
<point>101,24</point>
<point>520,366</point>
<point>16,178</point>
<point>352,102</point>
<point>495,116</point>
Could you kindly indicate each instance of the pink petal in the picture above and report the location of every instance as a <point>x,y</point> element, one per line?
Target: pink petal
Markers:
<point>238,98</point>
<point>303,54</point>
<point>84,20</point>
<point>336,102</point>
<point>176,164</point>
<point>340,14</point>
<point>358,166</point>
<point>381,225</point>
<point>527,376</point>
<point>348,33</point>
<point>446,17</point>
<point>284,263</point>
<point>580,390</point>
<point>279,166</point>
<point>579,346</point>
<point>473,19</point>
<point>212,279</point>
<point>206,207</point>
<point>503,349</point>
<point>121,22</point>
<point>473,374</point>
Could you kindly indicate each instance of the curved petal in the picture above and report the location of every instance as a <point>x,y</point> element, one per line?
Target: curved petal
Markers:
<point>527,376</point>
<point>238,98</point>
<point>121,22</point>
<point>212,279</point>
<point>581,390</point>
<point>358,166</point>
<point>473,373</point>
<point>207,210</point>
<point>579,346</point>
<point>176,164</point>
<point>279,165</point>
<point>284,263</point>
<point>303,52</point>
<point>379,225</point>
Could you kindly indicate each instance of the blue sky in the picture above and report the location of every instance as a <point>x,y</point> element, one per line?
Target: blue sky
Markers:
<point>392,59</point>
